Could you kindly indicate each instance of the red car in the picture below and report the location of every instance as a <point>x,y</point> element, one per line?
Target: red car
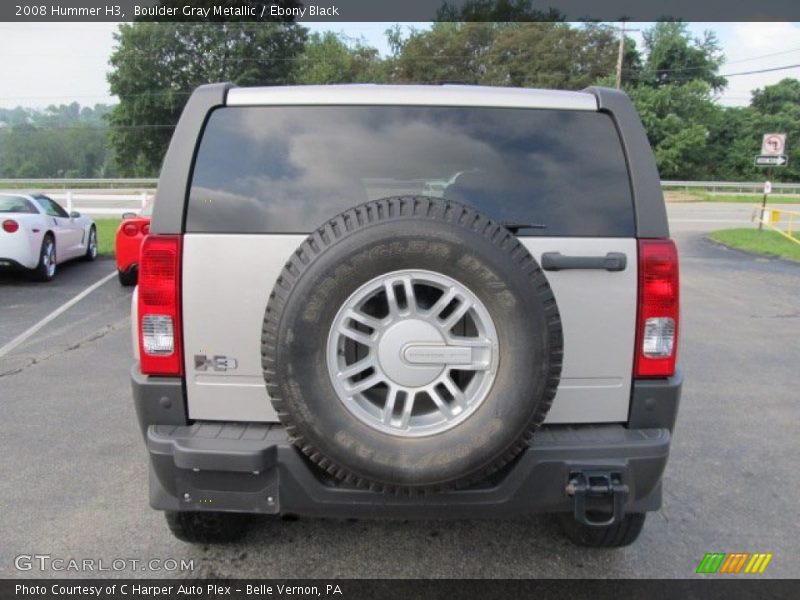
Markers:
<point>130,234</point>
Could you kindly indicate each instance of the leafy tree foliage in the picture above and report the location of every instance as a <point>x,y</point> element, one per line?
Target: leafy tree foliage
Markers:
<point>548,54</point>
<point>675,58</point>
<point>328,58</point>
<point>783,96</point>
<point>498,11</point>
<point>674,81</point>
<point>678,121</point>
<point>155,66</point>
<point>59,141</point>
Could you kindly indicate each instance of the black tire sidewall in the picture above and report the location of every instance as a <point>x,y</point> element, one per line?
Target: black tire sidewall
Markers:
<point>88,256</point>
<point>518,395</point>
<point>40,272</point>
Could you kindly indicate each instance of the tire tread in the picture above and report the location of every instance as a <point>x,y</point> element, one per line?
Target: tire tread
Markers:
<point>368,214</point>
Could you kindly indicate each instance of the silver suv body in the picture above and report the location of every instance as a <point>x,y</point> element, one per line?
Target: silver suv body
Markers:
<point>255,175</point>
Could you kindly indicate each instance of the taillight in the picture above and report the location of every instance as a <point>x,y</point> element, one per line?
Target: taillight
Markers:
<point>160,341</point>
<point>10,226</point>
<point>130,229</point>
<point>145,228</point>
<point>657,326</point>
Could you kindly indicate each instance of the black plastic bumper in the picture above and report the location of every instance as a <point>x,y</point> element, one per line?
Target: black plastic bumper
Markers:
<point>254,468</point>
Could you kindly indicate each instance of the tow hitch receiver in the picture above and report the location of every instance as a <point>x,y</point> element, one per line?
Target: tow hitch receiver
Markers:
<point>594,491</point>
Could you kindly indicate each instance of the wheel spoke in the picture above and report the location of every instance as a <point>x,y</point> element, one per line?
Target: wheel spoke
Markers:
<point>391,298</point>
<point>360,317</point>
<point>405,417</point>
<point>457,314</point>
<point>356,368</point>
<point>365,384</point>
<point>357,336</point>
<point>459,400</point>
<point>440,403</point>
<point>411,300</point>
<point>388,408</point>
<point>442,302</point>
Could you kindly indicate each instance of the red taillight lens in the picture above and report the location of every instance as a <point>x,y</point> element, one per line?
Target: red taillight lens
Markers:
<point>160,339</point>
<point>145,228</point>
<point>130,229</point>
<point>10,225</point>
<point>659,307</point>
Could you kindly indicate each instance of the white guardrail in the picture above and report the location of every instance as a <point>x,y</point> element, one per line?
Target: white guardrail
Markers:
<point>94,197</point>
<point>114,197</point>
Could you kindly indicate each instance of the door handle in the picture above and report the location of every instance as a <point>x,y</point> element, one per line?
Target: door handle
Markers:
<point>555,261</point>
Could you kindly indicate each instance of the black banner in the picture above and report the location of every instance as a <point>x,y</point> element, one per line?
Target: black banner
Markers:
<point>398,10</point>
<point>707,588</point>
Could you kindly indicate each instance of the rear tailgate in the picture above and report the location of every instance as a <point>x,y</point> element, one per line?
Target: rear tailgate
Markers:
<point>264,176</point>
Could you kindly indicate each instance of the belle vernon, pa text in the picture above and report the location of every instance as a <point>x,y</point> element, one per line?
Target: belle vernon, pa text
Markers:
<point>135,589</point>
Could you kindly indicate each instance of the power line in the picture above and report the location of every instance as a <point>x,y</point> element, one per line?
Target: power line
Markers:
<point>761,71</point>
<point>741,60</point>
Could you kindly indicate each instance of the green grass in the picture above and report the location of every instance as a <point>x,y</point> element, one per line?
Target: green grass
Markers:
<point>106,230</point>
<point>761,242</point>
<point>745,198</point>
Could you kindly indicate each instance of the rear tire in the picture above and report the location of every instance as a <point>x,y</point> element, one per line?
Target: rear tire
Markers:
<point>91,246</point>
<point>129,277</point>
<point>46,269</point>
<point>450,258</point>
<point>621,533</point>
<point>207,527</point>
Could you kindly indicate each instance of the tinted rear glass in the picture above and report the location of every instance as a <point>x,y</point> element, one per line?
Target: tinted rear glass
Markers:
<point>289,169</point>
<point>17,204</point>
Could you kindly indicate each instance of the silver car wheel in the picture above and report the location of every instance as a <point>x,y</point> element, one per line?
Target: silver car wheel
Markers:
<point>412,353</point>
<point>93,243</point>
<point>49,258</point>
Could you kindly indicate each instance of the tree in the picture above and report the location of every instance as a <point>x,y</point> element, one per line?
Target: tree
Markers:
<point>678,120</point>
<point>327,58</point>
<point>549,54</point>
<point>155,67</point>
<point>776,98</point>
<point>497,11</point>
<point>59,141</point>
<point>675,58</point>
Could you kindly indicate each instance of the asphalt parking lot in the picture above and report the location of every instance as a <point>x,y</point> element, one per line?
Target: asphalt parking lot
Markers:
<point>75,477</point>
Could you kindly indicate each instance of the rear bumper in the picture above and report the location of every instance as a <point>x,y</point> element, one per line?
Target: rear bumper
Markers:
<point>254,468</point>
<point>19,250</point>
<point>9,264</point>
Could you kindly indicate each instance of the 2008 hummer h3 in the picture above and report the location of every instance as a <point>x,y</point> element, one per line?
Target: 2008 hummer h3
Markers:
<point>386,301</point>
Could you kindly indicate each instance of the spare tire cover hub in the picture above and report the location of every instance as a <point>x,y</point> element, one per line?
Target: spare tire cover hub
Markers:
<point>393,346</point>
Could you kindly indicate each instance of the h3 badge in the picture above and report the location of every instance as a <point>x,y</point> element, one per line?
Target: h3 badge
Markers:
<point>203,362</point>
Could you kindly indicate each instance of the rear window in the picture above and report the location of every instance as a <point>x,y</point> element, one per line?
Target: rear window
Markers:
<point>17,204</point>
<point>289,169</point>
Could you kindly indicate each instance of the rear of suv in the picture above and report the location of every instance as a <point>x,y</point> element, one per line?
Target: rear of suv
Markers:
<point>407,301</point>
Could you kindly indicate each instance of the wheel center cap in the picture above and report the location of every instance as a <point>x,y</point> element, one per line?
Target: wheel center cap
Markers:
<point>398,347</point>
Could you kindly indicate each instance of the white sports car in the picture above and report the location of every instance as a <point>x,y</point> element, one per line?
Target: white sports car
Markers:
<point>36,234</point>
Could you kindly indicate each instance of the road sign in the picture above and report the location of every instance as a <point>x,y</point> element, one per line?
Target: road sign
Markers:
<point>767,160</point>
<point>767,187</point>
<point>773,144</point>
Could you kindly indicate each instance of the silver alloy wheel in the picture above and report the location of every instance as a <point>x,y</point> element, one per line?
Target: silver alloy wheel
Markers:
<point>412,353</point>
<point>93,243</point>
<point>49,258</point>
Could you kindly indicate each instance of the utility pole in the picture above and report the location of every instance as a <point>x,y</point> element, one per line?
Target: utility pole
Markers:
<point>621,54</point>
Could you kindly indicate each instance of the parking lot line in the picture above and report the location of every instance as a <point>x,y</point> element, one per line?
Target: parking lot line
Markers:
<point>60,310</point>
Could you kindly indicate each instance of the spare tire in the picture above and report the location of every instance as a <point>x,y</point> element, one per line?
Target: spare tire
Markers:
<point>411,344</point>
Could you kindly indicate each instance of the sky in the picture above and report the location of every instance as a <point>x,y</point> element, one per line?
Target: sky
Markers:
<point>54,63</point>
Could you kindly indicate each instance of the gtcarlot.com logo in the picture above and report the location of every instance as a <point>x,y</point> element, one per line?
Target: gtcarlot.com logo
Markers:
<point>734,563</point>
<point>46,562</point>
